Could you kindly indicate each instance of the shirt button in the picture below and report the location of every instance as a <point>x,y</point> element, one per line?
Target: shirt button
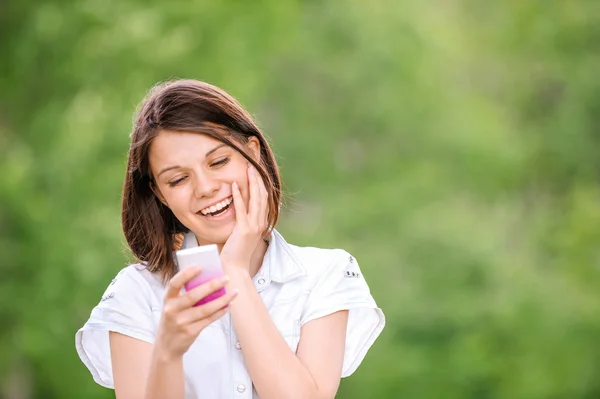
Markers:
<point>238,346</point>
<point>241,388</point>
<point>261,281</point>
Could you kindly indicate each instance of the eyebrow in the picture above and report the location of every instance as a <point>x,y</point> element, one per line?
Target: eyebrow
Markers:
<point>168,168</point>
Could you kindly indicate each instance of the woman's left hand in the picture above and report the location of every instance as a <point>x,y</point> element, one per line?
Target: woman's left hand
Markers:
<point>250,224</point>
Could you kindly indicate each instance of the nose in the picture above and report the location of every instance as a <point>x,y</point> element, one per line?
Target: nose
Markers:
<point>204,186</point>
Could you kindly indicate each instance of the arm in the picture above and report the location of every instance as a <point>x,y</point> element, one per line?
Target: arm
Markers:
<point>145,371</point>
<point>141,372</point>
<point>277,372</point>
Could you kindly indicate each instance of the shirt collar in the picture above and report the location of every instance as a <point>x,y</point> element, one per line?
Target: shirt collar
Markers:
<point>280,264</point>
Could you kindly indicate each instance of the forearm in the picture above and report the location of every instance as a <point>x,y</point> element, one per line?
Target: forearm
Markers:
<point>275,370</point>
<point>165,378</point>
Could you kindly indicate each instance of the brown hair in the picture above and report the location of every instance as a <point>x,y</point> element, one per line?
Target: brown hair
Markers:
<point>151,230</point>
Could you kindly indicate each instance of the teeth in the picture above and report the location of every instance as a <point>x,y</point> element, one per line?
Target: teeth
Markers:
<point>216,207</point>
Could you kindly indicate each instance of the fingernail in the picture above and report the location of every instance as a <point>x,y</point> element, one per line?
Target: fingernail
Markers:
<point>225,279</point>
<point>252,169</point>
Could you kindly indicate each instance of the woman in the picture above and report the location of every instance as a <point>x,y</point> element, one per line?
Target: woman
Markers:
<point>294,319</point>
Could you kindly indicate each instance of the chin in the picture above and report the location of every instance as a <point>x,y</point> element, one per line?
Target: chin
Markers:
<point>218,237</point>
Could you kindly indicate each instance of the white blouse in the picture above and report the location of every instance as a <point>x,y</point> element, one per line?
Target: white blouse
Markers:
<point>297,285</point>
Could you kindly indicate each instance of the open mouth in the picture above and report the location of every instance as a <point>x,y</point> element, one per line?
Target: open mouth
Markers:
<point>217,209</point>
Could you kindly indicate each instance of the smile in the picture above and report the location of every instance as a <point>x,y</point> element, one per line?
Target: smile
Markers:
<point>218,208</point>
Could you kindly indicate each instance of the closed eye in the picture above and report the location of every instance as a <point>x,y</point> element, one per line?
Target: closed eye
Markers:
<point>220,162</point>
<point>176,182</point>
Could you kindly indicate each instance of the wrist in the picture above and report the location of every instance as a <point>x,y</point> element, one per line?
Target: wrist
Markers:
<point>164,356</point>
<point>235,267</point>
<point>237,272</point>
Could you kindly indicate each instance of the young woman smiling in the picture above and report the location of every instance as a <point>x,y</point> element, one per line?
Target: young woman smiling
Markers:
<point>294,319</point>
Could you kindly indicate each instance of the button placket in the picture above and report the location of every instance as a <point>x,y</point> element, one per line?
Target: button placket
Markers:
<point>242,384</point>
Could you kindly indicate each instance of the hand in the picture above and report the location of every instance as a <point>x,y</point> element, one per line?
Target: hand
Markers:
<point>249,225</point>
<point>181,321</point>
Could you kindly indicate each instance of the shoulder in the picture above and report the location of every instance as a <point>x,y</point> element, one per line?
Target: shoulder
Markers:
<point>134,281</point>
<point>136,274</point>
<point>127,307</point>
<point>316,260</point>
<point>322,263</point>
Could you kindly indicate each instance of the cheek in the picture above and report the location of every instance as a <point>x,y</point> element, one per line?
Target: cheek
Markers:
<point>177,201</point>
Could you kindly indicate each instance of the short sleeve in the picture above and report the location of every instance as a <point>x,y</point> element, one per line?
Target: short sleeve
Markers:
<point>343,287</point>
<point>125,308</point>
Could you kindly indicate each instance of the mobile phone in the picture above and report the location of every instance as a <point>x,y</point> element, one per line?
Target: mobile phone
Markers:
<point>207,257</point>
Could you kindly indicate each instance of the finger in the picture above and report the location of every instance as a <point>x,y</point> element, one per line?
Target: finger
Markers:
<point>199,325</point>
<point>176,283</point>
<point>208,309</point>
<point>191,297</point>
<point>259,202</point>
<point>238,203</point>
<point>254,203</point>
<point>264,206</point>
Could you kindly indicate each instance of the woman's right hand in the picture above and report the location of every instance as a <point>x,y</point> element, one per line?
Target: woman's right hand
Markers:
<point>181,321</point>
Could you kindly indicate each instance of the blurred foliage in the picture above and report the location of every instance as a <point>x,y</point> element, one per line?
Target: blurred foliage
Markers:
<point>451,146</point>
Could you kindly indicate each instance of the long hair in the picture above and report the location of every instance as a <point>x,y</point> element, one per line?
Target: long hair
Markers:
<point>151,230</point>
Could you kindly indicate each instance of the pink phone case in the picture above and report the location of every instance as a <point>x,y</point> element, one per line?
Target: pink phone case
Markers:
<point>207,257</point>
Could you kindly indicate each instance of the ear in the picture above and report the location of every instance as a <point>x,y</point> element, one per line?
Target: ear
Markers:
<point>158,194</point>
<point>253,148</point>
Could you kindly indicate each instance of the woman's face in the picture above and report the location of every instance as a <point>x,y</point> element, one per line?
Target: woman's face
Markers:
<point>193,174</point>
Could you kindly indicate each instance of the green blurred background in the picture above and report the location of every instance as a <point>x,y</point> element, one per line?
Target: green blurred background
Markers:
<point>451,146</point>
